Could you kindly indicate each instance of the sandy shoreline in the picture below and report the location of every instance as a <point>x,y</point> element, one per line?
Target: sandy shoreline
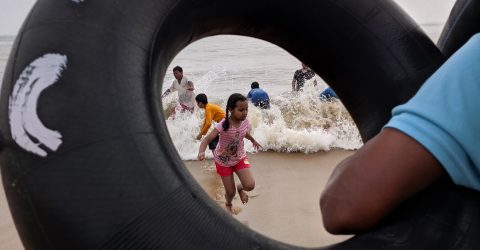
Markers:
<point>9,238</point>
<point>284,205</point>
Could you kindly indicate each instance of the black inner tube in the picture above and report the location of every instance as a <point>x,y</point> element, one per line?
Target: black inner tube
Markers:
<point>462,24</point>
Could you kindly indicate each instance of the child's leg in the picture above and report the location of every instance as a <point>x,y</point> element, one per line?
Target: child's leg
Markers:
<point>229,184</point>
<point>226,174</point>
<point>247,183</point>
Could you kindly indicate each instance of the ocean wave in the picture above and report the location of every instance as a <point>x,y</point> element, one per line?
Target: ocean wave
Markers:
<point>296,122</point>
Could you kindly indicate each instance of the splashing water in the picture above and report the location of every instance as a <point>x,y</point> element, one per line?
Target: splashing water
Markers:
<point>296,122</point>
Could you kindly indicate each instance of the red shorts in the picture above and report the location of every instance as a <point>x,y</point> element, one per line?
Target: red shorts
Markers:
<point>227,171</point>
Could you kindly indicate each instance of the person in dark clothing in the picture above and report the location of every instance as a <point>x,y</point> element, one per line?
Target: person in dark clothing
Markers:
<point>302,75</point>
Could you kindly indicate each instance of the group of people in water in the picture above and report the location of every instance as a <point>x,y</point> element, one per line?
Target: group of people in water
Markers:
<point>256,95</point>
<point>232,126</point>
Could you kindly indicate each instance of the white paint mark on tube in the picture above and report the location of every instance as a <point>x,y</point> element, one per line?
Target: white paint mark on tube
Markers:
<point>25,125</point>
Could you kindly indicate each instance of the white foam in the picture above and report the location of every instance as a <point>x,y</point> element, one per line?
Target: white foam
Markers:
<point>297,122</point>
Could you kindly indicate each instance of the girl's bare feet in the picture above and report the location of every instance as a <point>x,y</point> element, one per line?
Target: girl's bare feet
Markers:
<point>229,208</point>
<point>243,195</point>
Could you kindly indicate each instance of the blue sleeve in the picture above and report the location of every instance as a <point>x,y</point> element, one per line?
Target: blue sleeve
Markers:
<point>444,115</point>
<point>328,93</point>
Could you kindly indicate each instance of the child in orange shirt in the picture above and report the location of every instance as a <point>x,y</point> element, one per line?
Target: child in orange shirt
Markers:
<point>212,113</point>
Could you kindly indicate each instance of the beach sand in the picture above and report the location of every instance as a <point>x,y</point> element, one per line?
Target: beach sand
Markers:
<point>285,202</point>
<point>9,239</point>
<point>283,206</point>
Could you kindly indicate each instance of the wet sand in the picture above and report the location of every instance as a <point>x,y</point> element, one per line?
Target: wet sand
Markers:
<point>284,205</point>
<point>9,238</point>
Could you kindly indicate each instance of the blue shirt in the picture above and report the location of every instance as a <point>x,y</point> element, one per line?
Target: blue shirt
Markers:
<point>328,94</point>
<point>444,115</point>
<point>259,98</point>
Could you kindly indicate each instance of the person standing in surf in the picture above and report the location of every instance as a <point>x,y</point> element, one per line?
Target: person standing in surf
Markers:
<point>302,75</point>
<point>230,155</point>
<point>185,91</point>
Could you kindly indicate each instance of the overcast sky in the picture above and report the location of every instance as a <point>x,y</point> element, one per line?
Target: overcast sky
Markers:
<point>13,12</point>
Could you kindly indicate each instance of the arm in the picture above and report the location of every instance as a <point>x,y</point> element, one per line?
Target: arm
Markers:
<point>365,187</point>
<point>294,80</point>
<point>206,124</point>
<point>205,142</point>
<point>190,86</point>
<point>256,145</point>
<point>167,92</point>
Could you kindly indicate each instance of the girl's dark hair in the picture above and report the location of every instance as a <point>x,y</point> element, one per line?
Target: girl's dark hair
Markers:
<point>201,98</point>
<point>231,103</point>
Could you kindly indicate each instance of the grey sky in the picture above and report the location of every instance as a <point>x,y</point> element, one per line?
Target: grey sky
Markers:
<point>13,12</point>
<point>427,11</point>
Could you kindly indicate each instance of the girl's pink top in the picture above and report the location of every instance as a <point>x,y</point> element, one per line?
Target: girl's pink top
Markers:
<point>230,148</point>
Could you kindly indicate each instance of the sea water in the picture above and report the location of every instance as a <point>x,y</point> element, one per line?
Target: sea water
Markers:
<point>222,65</point>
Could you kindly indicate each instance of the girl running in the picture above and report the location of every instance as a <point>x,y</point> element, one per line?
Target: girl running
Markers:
<point>230,155</point>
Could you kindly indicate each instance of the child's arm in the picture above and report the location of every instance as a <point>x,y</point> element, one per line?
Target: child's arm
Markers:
<point>205,142</point>
<point>256,145</point>
<point>206,124</point>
